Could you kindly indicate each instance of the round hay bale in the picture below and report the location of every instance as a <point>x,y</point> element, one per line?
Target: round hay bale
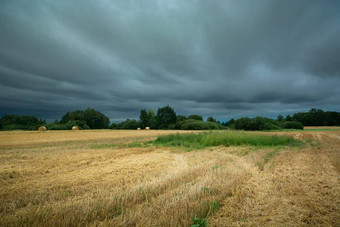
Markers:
<point>42,128</point>
<point>147,128</point>
<point>75,128</point>
<point>139,129</point>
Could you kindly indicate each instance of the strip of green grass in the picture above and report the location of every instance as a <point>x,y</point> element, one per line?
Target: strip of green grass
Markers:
<point>225,138</point>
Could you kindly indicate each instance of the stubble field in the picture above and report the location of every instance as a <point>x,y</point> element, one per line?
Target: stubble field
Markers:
<point>106,178</point>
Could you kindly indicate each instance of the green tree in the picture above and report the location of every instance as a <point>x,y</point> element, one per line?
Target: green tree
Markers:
<point>144,118</point>
<point>77,115</point>
<point>196,117</point>
<point>211,119</point>
<point>166,116</point>
<point>280,117</point>
<point>231,122</point>
<point>12,122</point>
<point>95,119</point>
<point>288,118</point>
<point>89,117</point>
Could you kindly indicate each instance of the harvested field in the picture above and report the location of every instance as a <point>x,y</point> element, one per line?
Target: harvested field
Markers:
<point>95,177</point>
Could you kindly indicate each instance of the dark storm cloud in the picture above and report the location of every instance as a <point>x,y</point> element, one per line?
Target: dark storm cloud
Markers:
<point>220,58</point>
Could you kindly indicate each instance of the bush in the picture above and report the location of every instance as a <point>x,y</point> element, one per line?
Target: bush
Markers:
<point>129,124</point>
<point>192,124</point>
<point>196,117</point>
<point>67,126</point>
<point>292,125</point>
<point>258,123</point>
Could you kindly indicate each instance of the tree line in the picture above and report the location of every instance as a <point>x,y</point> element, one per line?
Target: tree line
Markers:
<point>84,119</point>
<point>166,118</point>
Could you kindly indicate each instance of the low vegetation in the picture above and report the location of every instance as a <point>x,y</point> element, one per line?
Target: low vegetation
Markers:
<point>225,138</point>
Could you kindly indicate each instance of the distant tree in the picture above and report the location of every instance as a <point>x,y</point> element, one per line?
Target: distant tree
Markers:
<point>151,113</point>
<point>314,117</point>
<point>243,123</point>
<point>257,123</point>
<point>92,118</point>
<point>196,117</point>
<point>280,117</point>
<point>231,122</point>
<point>12,122</point>
<point>211,119</point>
<point>191,124</point>
<point>181,117</point>
<point>77,115</point>
<point>129,124</point>
<point>288,118</point>
<point>144,118</point>
<point>292,125</point>
<point>96,119</point>
<point>166,116</point>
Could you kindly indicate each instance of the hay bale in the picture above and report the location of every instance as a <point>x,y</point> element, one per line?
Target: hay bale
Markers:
<point>42,128</point>
<point>75,128</point>
<point>147,128</point>
<point>139,129</point>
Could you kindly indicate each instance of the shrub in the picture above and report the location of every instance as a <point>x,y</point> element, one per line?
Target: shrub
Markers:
<point>292,125</point>
<point>67,126</point>
<point>192,124</point>
<point>257,123</point>
<point>196,117</point>
<point>129,124</point>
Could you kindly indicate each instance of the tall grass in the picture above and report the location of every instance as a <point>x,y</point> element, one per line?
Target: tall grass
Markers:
<point>225,138</point>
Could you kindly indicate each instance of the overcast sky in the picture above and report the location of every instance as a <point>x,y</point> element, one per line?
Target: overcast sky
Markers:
<point>214,58</point>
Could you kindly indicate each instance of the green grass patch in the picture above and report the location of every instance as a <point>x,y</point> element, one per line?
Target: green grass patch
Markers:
<point>267,157</point>
<point>199,222</point>
<point>121,145</point>
<point>225,138</point>
<point>270,154</point>
<point>313,143</point>
<point>208,208</point>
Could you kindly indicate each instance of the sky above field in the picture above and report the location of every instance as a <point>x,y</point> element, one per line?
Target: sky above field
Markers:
<point>214,58</point>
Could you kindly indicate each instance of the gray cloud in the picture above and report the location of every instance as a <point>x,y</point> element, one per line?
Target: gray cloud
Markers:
<point>220,58</point>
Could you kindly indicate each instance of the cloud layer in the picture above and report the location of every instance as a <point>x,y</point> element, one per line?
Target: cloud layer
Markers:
<point>220,58</point>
